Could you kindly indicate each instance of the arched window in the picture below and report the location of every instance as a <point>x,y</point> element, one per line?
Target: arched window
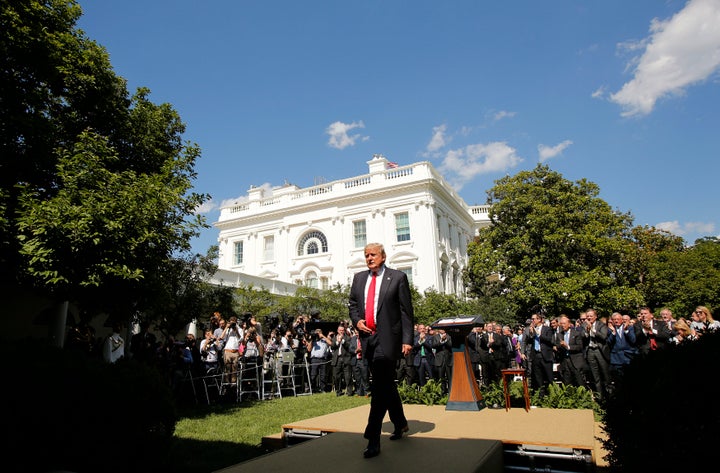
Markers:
<point>312,243</point>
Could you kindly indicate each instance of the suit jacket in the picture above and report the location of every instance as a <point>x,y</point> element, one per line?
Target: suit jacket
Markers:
<point>477,350</point>
<point>347,351</point>
<point>394,313</point>
<point>429,344</point>
<point>575,351</point>
<point>660,332</point>
<point>622,349</point>
<point>600,338</point>
<point>443,350</point>
<point>547,342</point>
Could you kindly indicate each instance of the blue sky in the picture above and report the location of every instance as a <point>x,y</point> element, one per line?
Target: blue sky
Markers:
<point>623,93</point>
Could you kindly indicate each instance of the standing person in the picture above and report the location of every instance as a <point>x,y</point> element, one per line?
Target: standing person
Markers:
<point>598,353</point>
<point>479,354</point>
<point>667,316</point>
<point>542,356</point>
<point>424,359</point>
<point>360,366</point>
<point>114,345</point>
<point>622,346</point>
<point>318,346</point>
<point>650,334</point>
<point>232,339</point>
<point>381,309</point>
<point>443,359</point>
<point>144,345</point>
<point>210,350</point>
<point>570,352</point>
<point>703,320</point>
<point>341,359</point>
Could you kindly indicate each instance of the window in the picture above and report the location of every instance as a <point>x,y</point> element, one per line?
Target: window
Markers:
<point>269,248</point>
<point>312,243</point>
<point>402,226</point>
<point>238,253</point>
<point>360,233</point>
<point>311,280</point>
<point>324,283</point>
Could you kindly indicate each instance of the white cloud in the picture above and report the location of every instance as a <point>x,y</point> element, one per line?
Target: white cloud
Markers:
<point>438,139</point>
<point>206,207</point>
<point>462,165</point>
<point>547,152</point>
<point>679,52</point>
<point>339,137</point>
<point>599,93</point>
<point>688,228</point>
<point>503,114</point>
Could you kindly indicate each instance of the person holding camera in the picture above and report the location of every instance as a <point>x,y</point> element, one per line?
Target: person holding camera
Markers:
<point>318,346</point>
<point>209,350</point>
<point>232,338</point>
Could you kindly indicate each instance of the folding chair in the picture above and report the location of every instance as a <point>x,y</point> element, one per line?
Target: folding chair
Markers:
<point>286,372</point>
<point>250,378</point>
<point>211,382</point>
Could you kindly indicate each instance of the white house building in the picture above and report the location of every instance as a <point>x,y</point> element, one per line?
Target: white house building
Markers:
<point>315,236</point>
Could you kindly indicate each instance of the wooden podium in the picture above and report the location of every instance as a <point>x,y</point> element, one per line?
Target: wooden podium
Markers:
<point>464,391</point>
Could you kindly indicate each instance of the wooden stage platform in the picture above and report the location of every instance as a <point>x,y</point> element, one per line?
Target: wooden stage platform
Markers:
<point>488,441</point>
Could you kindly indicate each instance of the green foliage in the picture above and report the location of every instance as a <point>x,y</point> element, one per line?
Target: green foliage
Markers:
<point>97,185</point>
<point>561,396</point>
<point>431,394</point>
<point>555,243</point>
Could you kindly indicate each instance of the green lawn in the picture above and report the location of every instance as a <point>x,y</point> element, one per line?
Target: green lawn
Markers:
<point>209,438</point>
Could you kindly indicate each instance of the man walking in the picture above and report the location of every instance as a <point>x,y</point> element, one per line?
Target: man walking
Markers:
<point>381,309</point>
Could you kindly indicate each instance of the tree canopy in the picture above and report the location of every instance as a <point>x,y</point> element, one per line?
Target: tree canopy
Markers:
<point>95,183</point>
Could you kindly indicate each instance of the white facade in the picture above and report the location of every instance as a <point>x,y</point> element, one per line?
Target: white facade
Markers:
<point>315,236</point>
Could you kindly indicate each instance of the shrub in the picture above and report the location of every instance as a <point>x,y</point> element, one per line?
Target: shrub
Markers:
<point>430,394</point>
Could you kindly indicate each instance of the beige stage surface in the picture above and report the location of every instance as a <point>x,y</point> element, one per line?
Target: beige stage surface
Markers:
<point>438,438</point>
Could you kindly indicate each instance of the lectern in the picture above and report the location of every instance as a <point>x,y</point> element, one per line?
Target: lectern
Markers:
<point>464,391</point>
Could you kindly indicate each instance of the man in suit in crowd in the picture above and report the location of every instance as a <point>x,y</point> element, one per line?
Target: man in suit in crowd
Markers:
<point>443,359</point>
<point>541,337</point>
<point>381,309</point>
<point>570,351</point>
<point>424,359</point>
<point>341,361</point>
<point>650,334</point>
<point>598,352</point>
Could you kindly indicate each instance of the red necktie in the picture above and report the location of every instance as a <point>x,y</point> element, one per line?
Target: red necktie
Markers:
<point>370,304</point>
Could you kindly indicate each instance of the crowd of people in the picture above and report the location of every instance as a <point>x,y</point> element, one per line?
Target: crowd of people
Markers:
<point>588,351</point>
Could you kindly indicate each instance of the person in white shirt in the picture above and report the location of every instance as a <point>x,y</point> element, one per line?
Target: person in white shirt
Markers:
<point>114,345</point>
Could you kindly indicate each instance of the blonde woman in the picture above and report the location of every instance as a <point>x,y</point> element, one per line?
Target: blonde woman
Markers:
<point>703,320</point>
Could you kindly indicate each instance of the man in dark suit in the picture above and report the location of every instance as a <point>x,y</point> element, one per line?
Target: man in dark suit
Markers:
<point>424,358</point>
<point>381,310</point>
<point>570,353</point>
<point>598,352</point>
<point>341,361</point>
<point>650,334</point>
<point>541,338</point>
<point>443,359</point>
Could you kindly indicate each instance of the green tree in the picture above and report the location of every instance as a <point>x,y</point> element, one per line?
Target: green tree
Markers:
<point>552,243</point>
<point>96,185</point>
<point>682,279</point>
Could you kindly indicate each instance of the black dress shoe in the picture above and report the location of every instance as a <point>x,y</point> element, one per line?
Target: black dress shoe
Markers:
<point>398,433</point>
<point>372,450</point>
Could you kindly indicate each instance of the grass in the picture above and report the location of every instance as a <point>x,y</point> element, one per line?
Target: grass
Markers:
<point>209,438</point>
